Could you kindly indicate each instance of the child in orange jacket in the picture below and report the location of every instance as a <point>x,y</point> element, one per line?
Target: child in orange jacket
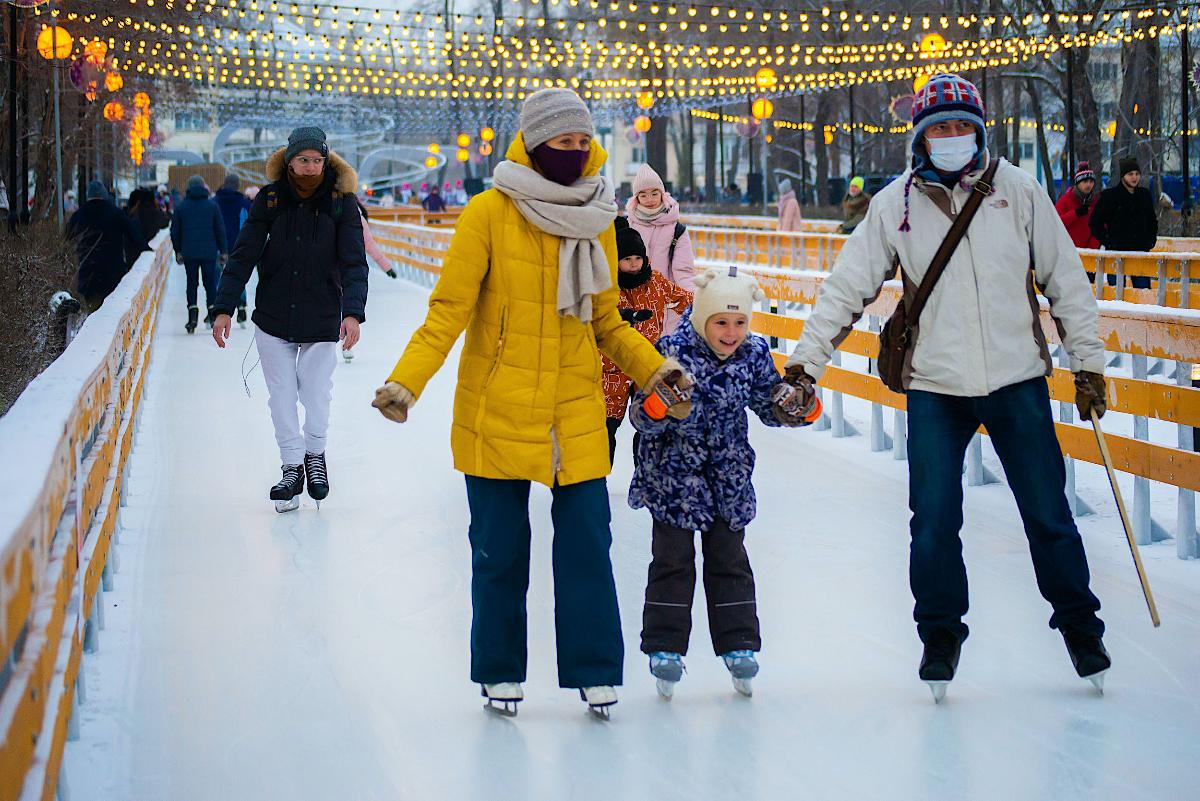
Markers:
<point>645,297</point>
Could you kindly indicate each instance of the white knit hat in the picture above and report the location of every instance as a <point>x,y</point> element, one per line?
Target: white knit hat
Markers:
<point>548,113</point>
<point>720,292</point>
<point>647,178</point>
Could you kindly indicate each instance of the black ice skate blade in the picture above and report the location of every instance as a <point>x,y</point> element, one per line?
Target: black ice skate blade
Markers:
<point>500,707</point>
<point>601,712</point>
<point>288,505</point>
<point>938,690</point>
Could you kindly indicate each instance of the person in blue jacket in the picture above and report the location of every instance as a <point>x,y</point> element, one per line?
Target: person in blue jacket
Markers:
<point>694,475</point>
<point>198,236</point>
<point>234,206</point>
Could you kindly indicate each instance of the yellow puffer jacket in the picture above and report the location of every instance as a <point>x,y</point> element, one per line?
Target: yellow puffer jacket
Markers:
<point>530,402</point>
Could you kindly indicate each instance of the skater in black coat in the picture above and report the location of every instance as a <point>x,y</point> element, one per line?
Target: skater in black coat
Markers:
<point>101,231</point>
<point>1124,218</point>
<point>305,236</point>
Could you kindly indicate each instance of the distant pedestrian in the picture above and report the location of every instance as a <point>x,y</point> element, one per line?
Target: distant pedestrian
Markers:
<point>789,208</point>
<point>101,231</point>
<point>434,202</point>
<point>1077,205</point>
<point>234,206</point>
<point>198,236</point>
<point>854,205</point>
<point>1124,217</point>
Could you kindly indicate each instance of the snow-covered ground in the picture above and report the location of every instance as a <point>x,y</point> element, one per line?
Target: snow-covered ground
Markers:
<point>323,655</point>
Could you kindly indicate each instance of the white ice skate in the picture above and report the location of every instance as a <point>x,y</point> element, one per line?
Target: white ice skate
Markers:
<point>938,689</point>
<point>503,698</point>
<point>599,699</point>
<point>348,356</point>
<point>742,668</point>
<point>667,667</point>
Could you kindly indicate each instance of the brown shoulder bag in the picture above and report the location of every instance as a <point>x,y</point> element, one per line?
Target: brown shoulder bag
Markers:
<point>896,338</point>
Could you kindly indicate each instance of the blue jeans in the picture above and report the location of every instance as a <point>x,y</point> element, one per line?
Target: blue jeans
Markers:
<point>1018,420</point>
<point>586,620</point>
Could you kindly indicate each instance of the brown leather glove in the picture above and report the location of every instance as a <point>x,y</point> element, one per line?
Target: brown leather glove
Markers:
<point>393,401</point>
<point>1090,391</point>
<point>673,375</point>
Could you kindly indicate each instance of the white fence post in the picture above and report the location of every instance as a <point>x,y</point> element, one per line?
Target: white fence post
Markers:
<point>1145,529</point>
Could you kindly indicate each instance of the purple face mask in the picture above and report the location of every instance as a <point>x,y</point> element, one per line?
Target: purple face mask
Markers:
<point>561,166</point>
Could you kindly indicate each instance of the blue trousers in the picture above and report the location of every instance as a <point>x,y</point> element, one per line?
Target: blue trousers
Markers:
<point>201,270</point>
<point>1018,420</point>
<point>586,620</point>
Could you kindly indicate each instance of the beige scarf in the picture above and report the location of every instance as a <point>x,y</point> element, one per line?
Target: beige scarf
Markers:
<point>577,215</point>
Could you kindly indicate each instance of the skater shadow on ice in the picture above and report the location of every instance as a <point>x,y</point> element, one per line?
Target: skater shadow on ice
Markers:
<point>499,758</point>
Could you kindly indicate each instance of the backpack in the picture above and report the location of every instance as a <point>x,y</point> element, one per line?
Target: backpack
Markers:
<point>680,230</point>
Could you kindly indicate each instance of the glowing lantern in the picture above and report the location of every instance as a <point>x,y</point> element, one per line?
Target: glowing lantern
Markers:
<point>434,148</point>
<point>464,140</point>
<point>141,127</point>
<point>645,100</point>
<point>54,43</point>
<point>919,81</point>
<point>431,162</point>
<point>828,136</point>
<point>485,149</point>
<point>487,135</point>
<point>463,154</point>
<point>95,51</point>
<point>141,100</point>
<point>113,81</point>
<point>114,111</point>
<point>765,78</point>
<point>762,109</point>
<point>932,44</point>
<point>1111,129</point>
<point>641,123</point>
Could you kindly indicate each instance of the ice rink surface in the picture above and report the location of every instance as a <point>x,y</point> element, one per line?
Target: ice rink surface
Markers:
<point>323,654</point>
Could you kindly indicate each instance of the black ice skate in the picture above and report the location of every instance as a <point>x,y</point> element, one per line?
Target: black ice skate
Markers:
<point>318,476</point>
<point>208,318</point>
<point>939,662</point>
<point>1088,655</point>
<point>241,316</point>
<point>193,316</point>
<point>286,493</point>
<point>502,698</point>
<point>599,700</point>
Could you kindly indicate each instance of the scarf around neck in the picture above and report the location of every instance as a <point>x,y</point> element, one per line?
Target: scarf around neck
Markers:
<point>577,215</point>
<point>305,185</point>
<point>651,216</point>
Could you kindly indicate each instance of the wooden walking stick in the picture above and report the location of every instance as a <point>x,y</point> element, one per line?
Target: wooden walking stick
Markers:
<point>1133,549</point>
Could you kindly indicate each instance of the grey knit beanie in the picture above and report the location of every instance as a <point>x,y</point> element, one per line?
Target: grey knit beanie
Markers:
<point>785,186</point>
<point>309,138</point>
<point>96,191</point>
<point>548,113</point>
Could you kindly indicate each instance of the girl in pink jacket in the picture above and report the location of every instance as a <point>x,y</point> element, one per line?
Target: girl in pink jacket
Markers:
<point>654,214</point>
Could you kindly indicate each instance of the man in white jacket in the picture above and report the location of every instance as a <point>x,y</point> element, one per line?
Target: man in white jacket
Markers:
<point>980,358</point>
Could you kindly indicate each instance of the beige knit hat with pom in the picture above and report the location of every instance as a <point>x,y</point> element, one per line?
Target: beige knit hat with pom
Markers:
<point>724,291</point>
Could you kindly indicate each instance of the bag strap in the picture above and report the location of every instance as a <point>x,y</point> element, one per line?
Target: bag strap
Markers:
<point>676,235</point>
<point>982,188</point>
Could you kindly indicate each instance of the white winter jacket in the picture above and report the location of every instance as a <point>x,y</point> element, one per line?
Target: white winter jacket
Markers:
<point>980,330</point>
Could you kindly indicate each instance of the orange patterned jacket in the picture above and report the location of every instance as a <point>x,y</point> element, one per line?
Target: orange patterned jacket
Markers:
<point>658,294</point>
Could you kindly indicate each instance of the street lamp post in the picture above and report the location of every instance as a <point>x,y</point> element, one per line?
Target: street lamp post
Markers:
<point>1185,149</point>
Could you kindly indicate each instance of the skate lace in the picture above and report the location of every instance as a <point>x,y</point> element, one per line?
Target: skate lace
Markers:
<point>315,464</point>
<point>291,474</point>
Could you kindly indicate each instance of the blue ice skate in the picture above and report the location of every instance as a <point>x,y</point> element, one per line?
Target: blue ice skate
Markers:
<point>667,667</point>
<point>742,667</point>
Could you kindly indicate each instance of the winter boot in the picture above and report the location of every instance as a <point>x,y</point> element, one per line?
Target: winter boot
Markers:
<point>1088,655</point>
<point>241,316</point>
<point>940,661</point>
<point>193,316</point>
<point>286,493</point>
<point>208,319</point>
<point>742,668</point>
<point>667,667</point>
<point>318,476</point>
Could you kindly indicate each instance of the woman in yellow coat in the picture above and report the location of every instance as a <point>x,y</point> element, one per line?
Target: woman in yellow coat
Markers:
<point>531,276</point>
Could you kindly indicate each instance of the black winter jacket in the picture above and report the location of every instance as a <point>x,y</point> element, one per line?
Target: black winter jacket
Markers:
<point>312,266</point>
<point>197,229</point>
<point>1125,220</point>
<point>101,231</point>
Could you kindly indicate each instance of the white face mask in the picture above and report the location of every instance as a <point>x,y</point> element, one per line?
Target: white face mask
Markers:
<point>952,153</point>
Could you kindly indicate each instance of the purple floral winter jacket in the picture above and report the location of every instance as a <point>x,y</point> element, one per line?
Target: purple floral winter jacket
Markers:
<point>692,471</point>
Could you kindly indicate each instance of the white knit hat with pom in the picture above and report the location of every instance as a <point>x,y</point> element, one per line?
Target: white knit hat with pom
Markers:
<point>724,291</point>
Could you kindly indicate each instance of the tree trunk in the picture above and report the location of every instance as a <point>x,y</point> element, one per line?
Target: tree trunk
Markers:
<point>656,147</point>
<point>821,150</point>
<point>1138,107</point>
<point>1043,150</point>
<point>711,185</point>
<point>1086,113</point>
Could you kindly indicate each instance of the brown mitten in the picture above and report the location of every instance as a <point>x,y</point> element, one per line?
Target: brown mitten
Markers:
<point>393,401</point>
<point>1090,390</point>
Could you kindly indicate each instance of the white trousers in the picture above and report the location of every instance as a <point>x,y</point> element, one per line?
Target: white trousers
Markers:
<point>297,373</point>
